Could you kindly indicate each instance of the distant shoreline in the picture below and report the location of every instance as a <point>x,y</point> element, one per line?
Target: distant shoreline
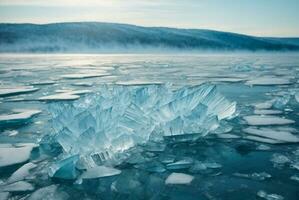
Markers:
<point>96,37</point>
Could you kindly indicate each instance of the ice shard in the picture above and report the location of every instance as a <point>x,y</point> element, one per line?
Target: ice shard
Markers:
<point>118,117</point>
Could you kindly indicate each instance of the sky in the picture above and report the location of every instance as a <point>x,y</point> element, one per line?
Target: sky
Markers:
<point>254,17</point>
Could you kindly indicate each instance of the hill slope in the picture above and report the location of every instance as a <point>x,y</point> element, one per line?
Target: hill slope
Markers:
<point>95,36</point>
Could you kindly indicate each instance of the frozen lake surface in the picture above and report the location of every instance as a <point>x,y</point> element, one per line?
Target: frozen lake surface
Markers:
<point>185,126</point>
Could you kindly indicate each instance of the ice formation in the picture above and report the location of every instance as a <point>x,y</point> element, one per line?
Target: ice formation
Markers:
<point>118,117</point>
<point>179,178</point>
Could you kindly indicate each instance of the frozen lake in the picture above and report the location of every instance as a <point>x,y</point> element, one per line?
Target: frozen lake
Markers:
<point>245,146</point>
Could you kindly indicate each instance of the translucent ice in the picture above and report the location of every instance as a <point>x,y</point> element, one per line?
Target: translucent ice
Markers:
<point>119,117</point>
<point>65,169</point>
<point>179,178</point>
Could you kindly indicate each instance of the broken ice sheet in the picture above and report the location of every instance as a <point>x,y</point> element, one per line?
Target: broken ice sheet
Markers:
<point>272,133</point>
<point>255,176</point>
<point>67,95</point>
<point>179,178</point>
<point>48,193</point>
<point>258,120</point>
<point>59,97</point>
<point>20,186</point>
<point>99,172</point>
<point>83,84</point>
<point>18,116</point>
<point>84,75</point>
<point>267,112</point>
<point>14,155</point>
<point>262,139</point>
<point>297,96</point>
<point>279,160</point>
<point>21,173</point>
<point>267,196</point>
<point>43,83</point>
<point>295,178</point>
<point>16,90</point>
<point>181,164</point>
<point>269,80</point>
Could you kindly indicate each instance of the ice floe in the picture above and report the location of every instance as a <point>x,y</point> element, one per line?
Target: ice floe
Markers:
<point>99,172</point>
<point>267,112</point>
<point>260,120</point>
<point>255,176</point>
<point>269,80</point>
<point>16,90</point>
<point>263,105</point>
<point>265,195</point>
<point>59,97</point>
<point>84,75</point>
<point>18,116</point>
<point>21,173</point>
<point>262,139</point>
<point>280,159</point>
<point>295,178</point>
<point>179,178</point>
<point>272,133</point>
<point>138,82</point>
<point>43,83</point>
<point>83,84</point>
<point>51,192</point>
<point>20,186</point>
<point>181,164</point>
<point>14,155</point>
<point>64,95</point>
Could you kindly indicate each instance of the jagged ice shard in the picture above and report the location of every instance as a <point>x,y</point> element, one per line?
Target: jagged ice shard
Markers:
<point>116,118</point>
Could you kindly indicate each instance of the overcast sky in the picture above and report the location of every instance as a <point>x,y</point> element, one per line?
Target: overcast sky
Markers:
<point>255,17</point>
